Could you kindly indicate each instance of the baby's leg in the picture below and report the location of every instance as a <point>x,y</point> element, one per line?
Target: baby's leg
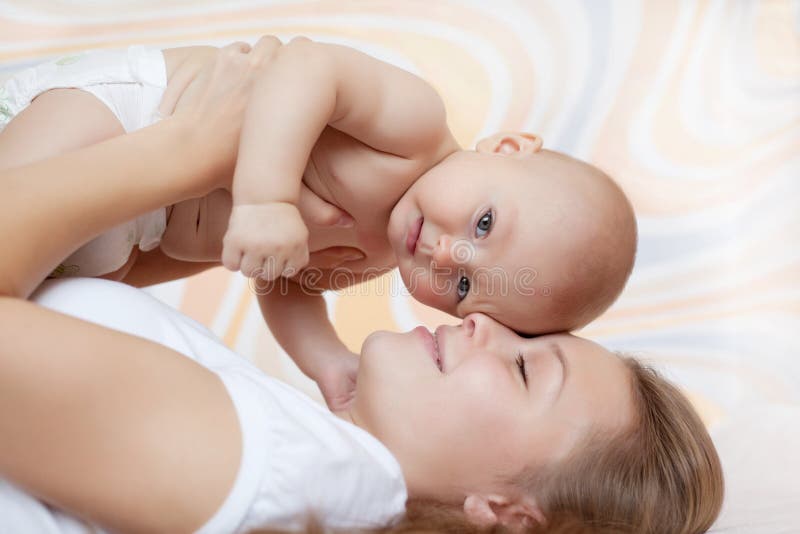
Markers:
<point>57,121</point>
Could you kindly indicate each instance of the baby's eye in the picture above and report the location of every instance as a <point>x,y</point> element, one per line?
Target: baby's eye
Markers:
<point>463,288</point>
<point>484,224</point>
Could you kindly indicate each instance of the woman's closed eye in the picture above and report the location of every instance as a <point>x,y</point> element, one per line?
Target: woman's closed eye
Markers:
<point>521,366</point>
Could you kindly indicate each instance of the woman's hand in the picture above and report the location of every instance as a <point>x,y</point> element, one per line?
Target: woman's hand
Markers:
<point>212,110</point>
<point>80,194</point>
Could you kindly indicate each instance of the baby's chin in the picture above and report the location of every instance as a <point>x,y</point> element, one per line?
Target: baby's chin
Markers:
<point>396,231</point>
<point>400,211</point>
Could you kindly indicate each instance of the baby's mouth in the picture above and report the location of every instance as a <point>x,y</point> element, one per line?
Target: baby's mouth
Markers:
<point>412,237</point>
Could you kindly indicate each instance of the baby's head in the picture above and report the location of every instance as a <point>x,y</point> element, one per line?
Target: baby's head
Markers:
<point>536,239</point>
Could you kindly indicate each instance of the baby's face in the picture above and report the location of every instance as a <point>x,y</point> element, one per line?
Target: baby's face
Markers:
<point>500,235</point>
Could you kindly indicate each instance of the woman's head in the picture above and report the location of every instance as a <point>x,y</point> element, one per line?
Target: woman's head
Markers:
<point>591,435</point>
<point>659,474</point>
<point>462,428</point>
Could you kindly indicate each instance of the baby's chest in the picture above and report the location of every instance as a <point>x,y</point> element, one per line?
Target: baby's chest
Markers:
<point>365,183</point>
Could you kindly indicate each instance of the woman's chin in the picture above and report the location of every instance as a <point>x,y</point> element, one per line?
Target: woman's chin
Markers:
<point>372,338</point>
<point>375,344</point>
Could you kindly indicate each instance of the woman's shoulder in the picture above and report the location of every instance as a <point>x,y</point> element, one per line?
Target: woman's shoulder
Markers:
<point>104,302</point>
<point>311,460</point>
<point>297,456</point>
<point>133,311</point>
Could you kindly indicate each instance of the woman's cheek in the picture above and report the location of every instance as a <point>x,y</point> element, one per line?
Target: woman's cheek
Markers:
<point>484,381</point>
<point>487,386</point>
<point>480,423</point>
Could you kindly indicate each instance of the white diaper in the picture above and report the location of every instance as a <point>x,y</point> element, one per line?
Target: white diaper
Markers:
<point>131,83</point>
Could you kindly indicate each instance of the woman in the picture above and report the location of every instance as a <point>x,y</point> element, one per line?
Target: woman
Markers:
<point>166,431</point>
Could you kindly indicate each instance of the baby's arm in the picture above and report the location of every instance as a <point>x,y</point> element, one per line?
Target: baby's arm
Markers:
<point>306,87</point>
<point>298,319</point>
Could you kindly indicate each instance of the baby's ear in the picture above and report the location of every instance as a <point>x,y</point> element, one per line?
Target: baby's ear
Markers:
<point>510,144</point>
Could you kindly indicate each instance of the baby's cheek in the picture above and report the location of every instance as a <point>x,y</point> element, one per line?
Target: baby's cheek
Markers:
<point>430,292</point>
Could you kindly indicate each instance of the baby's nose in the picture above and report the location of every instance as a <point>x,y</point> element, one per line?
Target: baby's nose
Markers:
<point>442,254</point>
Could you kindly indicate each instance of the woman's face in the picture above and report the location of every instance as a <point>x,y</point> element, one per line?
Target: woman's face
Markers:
<point>456,411</point>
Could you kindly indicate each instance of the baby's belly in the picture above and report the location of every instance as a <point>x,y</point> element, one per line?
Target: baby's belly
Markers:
<point>196,227</point>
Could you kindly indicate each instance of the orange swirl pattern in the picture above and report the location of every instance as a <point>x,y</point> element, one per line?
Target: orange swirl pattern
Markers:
<point>694,107</point>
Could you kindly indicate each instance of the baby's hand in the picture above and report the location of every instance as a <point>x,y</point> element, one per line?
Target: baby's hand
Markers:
<point>338,380</point>
<point>265,240</point>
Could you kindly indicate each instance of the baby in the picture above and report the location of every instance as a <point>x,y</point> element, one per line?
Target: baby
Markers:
<point>534,238</point>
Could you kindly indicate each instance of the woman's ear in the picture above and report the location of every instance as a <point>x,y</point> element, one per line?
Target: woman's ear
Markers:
<point>510,144</point>
<point>488,510</point>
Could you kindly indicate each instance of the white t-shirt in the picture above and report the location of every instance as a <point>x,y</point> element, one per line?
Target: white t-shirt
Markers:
<point>297,458</point>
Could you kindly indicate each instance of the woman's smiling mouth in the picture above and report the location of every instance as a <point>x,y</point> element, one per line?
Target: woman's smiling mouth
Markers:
<point>432,346</point>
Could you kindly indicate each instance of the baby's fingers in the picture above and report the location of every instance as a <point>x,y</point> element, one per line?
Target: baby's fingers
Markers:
<point>231,257</point>
<point>271,268</point>
<point>252,264</point>
<point>295,263</point>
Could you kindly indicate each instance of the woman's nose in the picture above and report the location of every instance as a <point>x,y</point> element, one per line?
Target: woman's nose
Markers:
<point>476,326</point>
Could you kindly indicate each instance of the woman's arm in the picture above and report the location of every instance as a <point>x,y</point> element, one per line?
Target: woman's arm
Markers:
<point>118,430</point>
<point>105,424</point>
<point>50,208</point>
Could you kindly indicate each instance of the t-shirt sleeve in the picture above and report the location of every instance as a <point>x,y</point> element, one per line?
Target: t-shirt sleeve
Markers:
<point>231,515</point>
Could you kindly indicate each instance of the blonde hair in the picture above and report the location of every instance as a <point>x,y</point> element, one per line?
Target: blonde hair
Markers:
<point>661,474</point>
